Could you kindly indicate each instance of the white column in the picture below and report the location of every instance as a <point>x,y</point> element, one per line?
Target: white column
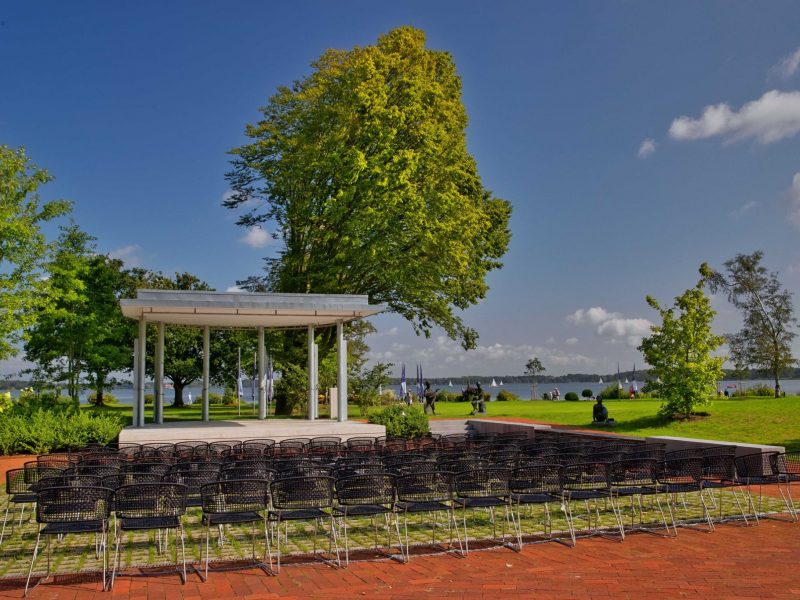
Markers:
<point>135,372</point>
<point>142,370</point>
<point>341,378</point>
<point>311,391</point>
<point>158,402</point>
<point>316,381</point>
<point>206,368</point>
<point>262,384</point>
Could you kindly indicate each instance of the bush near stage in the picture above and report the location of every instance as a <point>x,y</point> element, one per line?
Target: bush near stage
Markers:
<point>587,393</point>
<point>401,420</point>
<point>571,397</point>
<point>506,395</point>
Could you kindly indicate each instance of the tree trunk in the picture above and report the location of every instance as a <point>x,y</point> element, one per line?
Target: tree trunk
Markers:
<point>178,386</point>
<point>777,385</point>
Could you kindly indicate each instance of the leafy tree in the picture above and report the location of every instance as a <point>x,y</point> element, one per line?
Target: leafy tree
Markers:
<point>765,340</point>
<point>23,247</point>
<point>680,353</point>
<point>533,367</point>
<point>363,168</point>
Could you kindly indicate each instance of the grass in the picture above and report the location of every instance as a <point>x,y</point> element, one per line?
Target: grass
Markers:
<point>751,420</point>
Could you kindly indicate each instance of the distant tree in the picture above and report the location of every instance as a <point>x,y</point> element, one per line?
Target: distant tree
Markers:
<point>533,367</point>
<point>765,340</point>
<point>363,169</point>
<point>23,247</point>
<point>680,353</point>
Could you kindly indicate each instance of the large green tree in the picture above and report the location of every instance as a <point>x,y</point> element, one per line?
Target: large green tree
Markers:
<point>363,169</point>
<point>680,352</point>
<point>23,247</point>
<point>765,340</point>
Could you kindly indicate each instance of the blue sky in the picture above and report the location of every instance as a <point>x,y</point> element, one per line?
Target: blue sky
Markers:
<point>132,106</point>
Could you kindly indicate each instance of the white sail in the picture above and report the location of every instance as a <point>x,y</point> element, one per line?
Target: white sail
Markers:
<point>450,384</point>
<point>501,382</point>
<point>494,383</point>
<point>626,380</point>
<point>601,380</point>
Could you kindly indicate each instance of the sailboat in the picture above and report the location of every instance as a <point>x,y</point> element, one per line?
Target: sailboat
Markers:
<point>450,383</point>
<point>626,380</point>
<point>601,380</point>
<point>494,383</point>
<point>501,382</point>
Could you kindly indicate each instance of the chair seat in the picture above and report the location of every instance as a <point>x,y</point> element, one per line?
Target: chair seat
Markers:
<point>761,480</point>
<point>636,490</point>
<point>231,517</point>
<point>586,494</point>
<point>720,484</point>
<point>481,502</point>
<point>24,497</point>
<point>362,510</point>
<point>539,498</point>
<point>95,526</point>
<point>682,488</point>
<point>426,506</point>
<point>138,523</point>
<point>194,502</point>
<point>789,477</point>
<point>300,514</point>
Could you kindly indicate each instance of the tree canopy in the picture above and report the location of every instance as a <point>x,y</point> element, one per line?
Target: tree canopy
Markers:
<point>765,340</point>
<point>363,169</point>
<point>680,352</point>
<point>23,246</point>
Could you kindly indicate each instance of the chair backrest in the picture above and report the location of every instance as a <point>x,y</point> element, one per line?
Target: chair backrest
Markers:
<point>96,470</point>
<point>155,453</point>
<point>60,462</point>
<point>786,464</point>
<point>305,471</point>
<point>719,467</point>
<point>15,482</point>
<point>341,471</point>
<point>482,483</point>
<point>255,471</point>
<point>193,465</point>
<point>235,495</point>
<point>755,465</point>
<point>726,450</point>
<point>34,471</point>
<point>130,478</point>
<point>425,486</point>
<point>160,468</point>
<point>681,470</point>
<point>463,464</point>
<point>536,479</point>
<point>361,443</point>
<point>296,493</point>
<point>105,459</point>
<point>633,472</point>
<point>73,503</point>
<point>67,481</point>
<point>143,500</point>
<point>193,480</point>
<point>585,476</point>
<point>369,488</point>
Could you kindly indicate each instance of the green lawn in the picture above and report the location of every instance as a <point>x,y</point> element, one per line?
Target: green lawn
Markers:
<point>756,420</point>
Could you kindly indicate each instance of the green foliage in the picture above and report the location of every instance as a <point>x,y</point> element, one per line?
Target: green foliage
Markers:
<point>291,390</point>
<point>5,401</point>
<point>506,395</point>
<point>401,420</point>
<point>391,204</point>
<point>587,393</point>
<point>215,398</point>
<point>533,367</point>
<point>149,399</point>
<point>571,397</point>
<point>111,399</point>
<point>759,390</point>
<point>28,428</point>
<point>765,340</point>
<point>680,353</point>
<point>445,396</point>
<point>611,392</point>
<point>23,247</point>
<point>364,385</point>
<point>230,397</point>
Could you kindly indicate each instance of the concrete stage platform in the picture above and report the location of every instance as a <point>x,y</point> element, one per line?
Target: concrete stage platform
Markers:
<point>273,429</point>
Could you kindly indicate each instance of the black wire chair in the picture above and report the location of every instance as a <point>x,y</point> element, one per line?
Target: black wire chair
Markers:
<point>427,492</point>
<point>483,488</point>
<point>683,476</point>
<point>71,510</point>
<point>585,482</point>
<point>67,481</point>
<point>130,478</point>
<point>538,483</point>
<point>193,479</point>
<point>302,499</point>
<point>786,466</point>
<point>363,444</point>
<point>96,470</point>
<point>160,468</point>
<point>367,495</point>
<point>463,464</point>
<point>18,492</point>
<point>257,470</point>
<point>236,501</point>
<point>756,469</point>
<point>636,478</point>
<point>148,507</point>
<point>719,473</point>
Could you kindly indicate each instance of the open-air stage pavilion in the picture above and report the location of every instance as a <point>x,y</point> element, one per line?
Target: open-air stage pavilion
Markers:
<point>243,310</point>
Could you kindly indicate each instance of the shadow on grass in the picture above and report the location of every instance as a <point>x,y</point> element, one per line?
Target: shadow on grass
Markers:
<point>638,424</point>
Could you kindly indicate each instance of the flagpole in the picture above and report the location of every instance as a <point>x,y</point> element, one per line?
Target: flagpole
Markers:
<point>253,381</point>
<point>239,383</point>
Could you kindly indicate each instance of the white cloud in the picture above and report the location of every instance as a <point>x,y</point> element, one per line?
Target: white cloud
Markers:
<point>646,148</point>
<point>612,325</point>
<point>129,255</point>
<point>738,213</point>
<point>256,237</point>
<point>794,201</point>
<point>773,117</point>
<point>787,66</point>
<point>233,289</point>
<point>571,341</point>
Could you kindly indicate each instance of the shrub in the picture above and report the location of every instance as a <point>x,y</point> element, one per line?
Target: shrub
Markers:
<point>5,401</point>
<point>148,398</point>
<point>401,420</point>
<point>760,390</point>
<point>506,395</point>
<point>444,396</point>
<point>612,392</point>
<point>571,397</point>
<point>214,398</point>
<point>37,430</point>
<point>109,398</point>
<point>388,397</point>
<point>367,400</point>
<point>587,393</point>
<point>230,398</point>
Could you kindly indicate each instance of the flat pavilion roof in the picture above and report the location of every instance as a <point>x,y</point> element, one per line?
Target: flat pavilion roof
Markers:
<point>245,309</point>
